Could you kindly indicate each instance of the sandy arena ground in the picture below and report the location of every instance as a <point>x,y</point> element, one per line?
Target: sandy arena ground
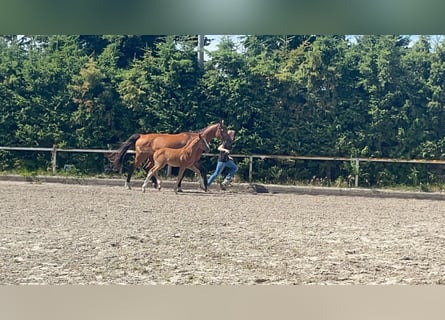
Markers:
<point>91,234</point>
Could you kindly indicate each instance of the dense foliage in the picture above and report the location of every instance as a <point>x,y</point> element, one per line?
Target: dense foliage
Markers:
<point>366,96</point>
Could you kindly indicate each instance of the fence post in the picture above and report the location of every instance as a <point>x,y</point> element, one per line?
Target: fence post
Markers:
<point>357,168</point>
<point>250,168</point>
<point>54,159</point>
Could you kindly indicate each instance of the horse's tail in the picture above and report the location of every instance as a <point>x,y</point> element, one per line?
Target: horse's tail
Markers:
<point>117,157</point>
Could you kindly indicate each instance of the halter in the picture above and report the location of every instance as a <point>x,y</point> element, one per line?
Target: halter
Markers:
<point>205,142</point>
<point>222,132</point>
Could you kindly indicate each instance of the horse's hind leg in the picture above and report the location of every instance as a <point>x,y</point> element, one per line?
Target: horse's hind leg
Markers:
<point>138,159</point>
<point>150,174</point>
<point>130,173</point>
<point>147,166</point>
<point>158,182</point>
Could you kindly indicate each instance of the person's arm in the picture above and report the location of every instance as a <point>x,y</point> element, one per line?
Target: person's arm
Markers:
<point>222,149</point>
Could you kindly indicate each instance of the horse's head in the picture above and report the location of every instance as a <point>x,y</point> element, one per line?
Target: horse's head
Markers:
<point>221,132</point>
<point>217,130</point>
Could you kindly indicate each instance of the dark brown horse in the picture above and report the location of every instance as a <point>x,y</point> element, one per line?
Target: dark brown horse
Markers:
<point>184,158</point>
<point>146,144</point>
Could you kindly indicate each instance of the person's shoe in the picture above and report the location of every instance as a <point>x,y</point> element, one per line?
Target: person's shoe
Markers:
<point>225,184</point>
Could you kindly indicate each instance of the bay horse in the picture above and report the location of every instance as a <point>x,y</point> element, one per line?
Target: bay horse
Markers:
<point>184,158</point>
<point>146,144</point>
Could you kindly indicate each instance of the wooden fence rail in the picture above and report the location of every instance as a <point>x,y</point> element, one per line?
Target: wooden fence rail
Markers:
<point>54,150</point>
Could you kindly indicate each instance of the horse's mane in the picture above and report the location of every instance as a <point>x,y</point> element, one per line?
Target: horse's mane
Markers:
<point>187,150</point>
<point>199,130</point>
<point>213,125</point>
<point>203,129</point>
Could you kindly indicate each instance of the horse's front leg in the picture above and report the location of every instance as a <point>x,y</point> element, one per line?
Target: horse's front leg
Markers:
<point>202,173</point>
<point>203,177</point>
<point>179,179</point>
<point>178,183</point>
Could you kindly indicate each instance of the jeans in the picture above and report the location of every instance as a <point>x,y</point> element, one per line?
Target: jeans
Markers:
<point>220,167</point>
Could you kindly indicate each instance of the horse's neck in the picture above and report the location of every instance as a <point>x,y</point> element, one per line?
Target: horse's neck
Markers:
<point>191,145</point>
<point>190,148</point>
<point>210,132</point>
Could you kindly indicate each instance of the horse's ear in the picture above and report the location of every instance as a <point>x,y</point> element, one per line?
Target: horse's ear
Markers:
<point>221,122</point>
